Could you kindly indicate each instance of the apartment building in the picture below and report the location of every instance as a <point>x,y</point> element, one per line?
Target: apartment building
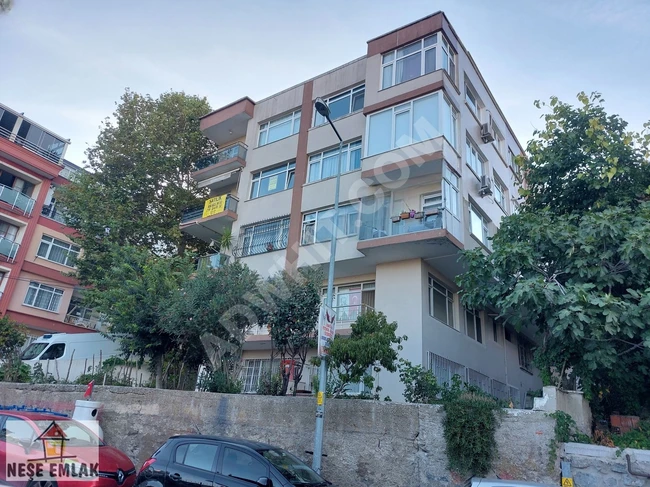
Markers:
<point>427,170</point>
<point>36,254</point>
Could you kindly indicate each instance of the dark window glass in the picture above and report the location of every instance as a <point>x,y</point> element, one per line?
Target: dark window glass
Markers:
<point>196,455</point>
<point>55,351</point>
<point>7,122</point>
<point>242,465</point>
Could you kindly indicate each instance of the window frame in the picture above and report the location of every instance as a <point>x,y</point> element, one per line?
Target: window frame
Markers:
<point>346,160</point>
<point>213,467</point>
<point>319,120</point>
<point>525,354</point>
<point>477,325</point>
<point>501,188</point>
<point>38,288</point>
<point>294,117</point>
<point>476,106</point>
<point>62,244</point>
<point>314,223</point>
<point>283,229</point>
<point>449,301</point>
<point>289,170</point>
<point>471,149</point>
<point>499,140</point>
<point>484,225</point>
<point>513,165</point>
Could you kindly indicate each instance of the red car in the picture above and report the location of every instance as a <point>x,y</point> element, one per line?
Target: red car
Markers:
<point>48,450</point>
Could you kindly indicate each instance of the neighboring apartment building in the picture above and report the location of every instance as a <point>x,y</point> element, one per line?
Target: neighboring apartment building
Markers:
<point>36,254</point>
<point>427,170</point>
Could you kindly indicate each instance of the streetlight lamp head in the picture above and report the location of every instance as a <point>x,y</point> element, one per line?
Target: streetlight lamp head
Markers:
<point>322,108</point>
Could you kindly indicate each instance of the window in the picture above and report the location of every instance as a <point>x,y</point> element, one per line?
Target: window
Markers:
<point>343,104</point>
<point>351,300</point>
<point>41,142</point>
<point>242,466</point>
<point>513,164</point>
<point>472,101</point>
<point>478,225</point>
<point>500,193</point>
<point>411,122</point>
<point>499,140</point>
<point>430,202</point>
<point>473,325</point>
<point>416,59</point>
<point>495,331</point>
<point>507,334</point>
<point>279,128</point>
<point>58,251</point>
<point>8,231</point>
<point>323,165</point>
<point>317,226</point>
<point>18,430</point>
<point>263,237</point>
<point>515,206</point>
<point>273,180</point>
<point>196,455</point>
<point>441,302</point>
<point>43,297</point>
<point>525,354</point>
<point>54,351</point>
<point>475,159</point>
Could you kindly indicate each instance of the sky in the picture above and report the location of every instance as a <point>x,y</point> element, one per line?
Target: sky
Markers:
<point>65,63</point>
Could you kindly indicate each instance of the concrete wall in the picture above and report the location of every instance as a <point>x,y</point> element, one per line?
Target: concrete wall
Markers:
<point>599,466</point>
<point>572,403</point>
<point>366,443</point>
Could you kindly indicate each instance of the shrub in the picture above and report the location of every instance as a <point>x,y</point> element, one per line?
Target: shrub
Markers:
<point>420,385</point>
<point>270,385</point>
<point>638,438</point>
<point>217,381</point>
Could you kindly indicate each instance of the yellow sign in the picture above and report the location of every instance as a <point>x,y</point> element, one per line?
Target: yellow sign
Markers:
<point>214,205</point>
<point>273,183</point>
<point>319,398</point>
<point>567,482</point>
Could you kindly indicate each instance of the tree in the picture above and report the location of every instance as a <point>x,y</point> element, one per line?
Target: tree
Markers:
<point>6,5</point>
<point>575,263</point>
<point>12,337</point>
<point>290,308</point>
<point>372,343</point>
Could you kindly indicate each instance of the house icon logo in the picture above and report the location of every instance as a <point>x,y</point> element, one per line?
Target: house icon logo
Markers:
<point>54,440</point>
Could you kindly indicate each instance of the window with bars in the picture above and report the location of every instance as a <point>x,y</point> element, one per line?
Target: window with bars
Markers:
<point>254,370</point>
<point>58,251</point>
<point>279,128</point>
<point>43,297</point>
<point>262,237</point>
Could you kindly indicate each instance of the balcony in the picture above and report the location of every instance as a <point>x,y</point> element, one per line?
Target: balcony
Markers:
<point>8,249</point>
<point>52,152</point>
<point>16,200</point>
<point>212,261</point>
<point>211,220</point>
<point>221,168</point>
<point>228,123</point>
<point>53,213</point>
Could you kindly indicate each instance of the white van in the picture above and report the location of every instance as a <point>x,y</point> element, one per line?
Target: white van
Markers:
<point>67,356</point>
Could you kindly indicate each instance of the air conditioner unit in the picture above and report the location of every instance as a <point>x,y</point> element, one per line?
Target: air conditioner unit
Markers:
<point>486,186</point>
<point>487,133</point>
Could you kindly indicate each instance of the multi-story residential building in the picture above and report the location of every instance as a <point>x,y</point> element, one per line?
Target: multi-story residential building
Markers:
<point>427,171</point>
<point>36,254</point>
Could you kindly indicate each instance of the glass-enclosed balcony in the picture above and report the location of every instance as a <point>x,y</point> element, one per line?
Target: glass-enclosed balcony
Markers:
<point>16,199</point>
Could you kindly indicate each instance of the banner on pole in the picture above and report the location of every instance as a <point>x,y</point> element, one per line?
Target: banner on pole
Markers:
<point>326,329</point>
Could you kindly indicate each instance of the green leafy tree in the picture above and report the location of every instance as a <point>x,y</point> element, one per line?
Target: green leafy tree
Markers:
<point>420,385</point>
<point>290,308</point>
<point>12,337</point>
<point>372,343</point>
<point>575,262</point>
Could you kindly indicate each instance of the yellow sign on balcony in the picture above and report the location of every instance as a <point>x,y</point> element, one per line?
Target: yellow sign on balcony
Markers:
<point>214,205</point>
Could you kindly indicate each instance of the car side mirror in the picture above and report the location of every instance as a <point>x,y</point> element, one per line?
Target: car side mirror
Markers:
<point>264,482</point>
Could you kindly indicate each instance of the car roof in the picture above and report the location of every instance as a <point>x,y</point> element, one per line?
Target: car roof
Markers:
<point>255,445</point>
<point>504,483</point>
<point>34,416</point>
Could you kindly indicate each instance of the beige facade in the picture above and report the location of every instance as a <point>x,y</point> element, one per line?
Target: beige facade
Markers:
<point>421,180</point>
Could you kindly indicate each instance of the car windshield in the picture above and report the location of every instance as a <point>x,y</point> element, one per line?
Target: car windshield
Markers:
<point>33,351</point>
<point>76,433</point>
<point>293,469</point>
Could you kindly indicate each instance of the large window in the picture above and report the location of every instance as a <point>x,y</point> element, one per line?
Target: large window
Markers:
<point>43,297</point>
<point>351,300</point>
<point>253,371</point>
<point>273,180</point>
<point>317,226</point>
<point>441,302</point>
<point>58,251</point>
<point>279,128</point>
<point>263,237</point>
<point>473,326</point>
<point>411,122</point>
<point>323,165</point>
<point>478,225</point>
<point>416,59</point>
<point>475,159</point>
<point>196,455</point>
<point>342,104</point>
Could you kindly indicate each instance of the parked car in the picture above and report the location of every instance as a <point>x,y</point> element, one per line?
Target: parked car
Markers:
<point>476,482</point>
<point>197,460</point>
<point>67,453</point>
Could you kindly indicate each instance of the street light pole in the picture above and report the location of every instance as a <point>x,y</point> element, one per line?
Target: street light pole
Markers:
<point>323,109</point>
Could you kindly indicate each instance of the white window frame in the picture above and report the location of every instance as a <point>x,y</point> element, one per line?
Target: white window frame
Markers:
<point>500,193</point>
<point>511,162</point>
<point>311,220</point>
<point>346,160</point>
<point>38,288</point>
<point>356,91</point>
<point>288,169</point>
<point>437,41</point>
<point>248,232</point>
<point>474,105</point>
<point>293,117</point>
<point>51,242</point>
<point>434,285</point>
<point>441,98</point>
<point>474,158</point>
<point>499,140</point>
<point>483,238</point>
<point>476,325</point>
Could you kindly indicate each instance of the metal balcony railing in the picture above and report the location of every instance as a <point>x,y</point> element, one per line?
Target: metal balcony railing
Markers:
<point>263,237</point>
<point>212,261</point>
<point>50,155</point>
<point>347,314</point>
<point>237,150</point>
<point>197,212</point>
<point>8,248</point>
<point>377,224</point>
<point>16,199</point>
<point>53,213</point>
<point>93,322</point>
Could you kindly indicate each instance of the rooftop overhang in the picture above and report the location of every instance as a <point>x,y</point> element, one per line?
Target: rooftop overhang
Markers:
<point>228,123</point>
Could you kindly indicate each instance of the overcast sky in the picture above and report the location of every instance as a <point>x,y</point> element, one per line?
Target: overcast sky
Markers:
<point>64,63</point>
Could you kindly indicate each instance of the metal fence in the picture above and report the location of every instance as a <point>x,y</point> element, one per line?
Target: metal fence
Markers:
<point>479,380</point>
<point>262,237</point>
<point>230,152</point>
<point>51,155</point>
<point>444,369</point>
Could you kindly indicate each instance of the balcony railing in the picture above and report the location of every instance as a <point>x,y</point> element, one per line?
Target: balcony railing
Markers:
<point>377,224</point>
<point>47,154</point>
<point>53,213</point>
<point>8,248</point>
<point>230,152</point>
<point>197,212</point>
<point>16,199</point>
<point>94,322</point>
<point>348,314</point>
<point>213,261</point>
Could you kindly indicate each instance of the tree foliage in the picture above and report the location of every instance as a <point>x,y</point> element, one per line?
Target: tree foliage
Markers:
<point>575,262</point>
<point>12,337</point>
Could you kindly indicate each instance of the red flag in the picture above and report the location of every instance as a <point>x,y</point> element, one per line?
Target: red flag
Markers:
<point>89,389</point>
